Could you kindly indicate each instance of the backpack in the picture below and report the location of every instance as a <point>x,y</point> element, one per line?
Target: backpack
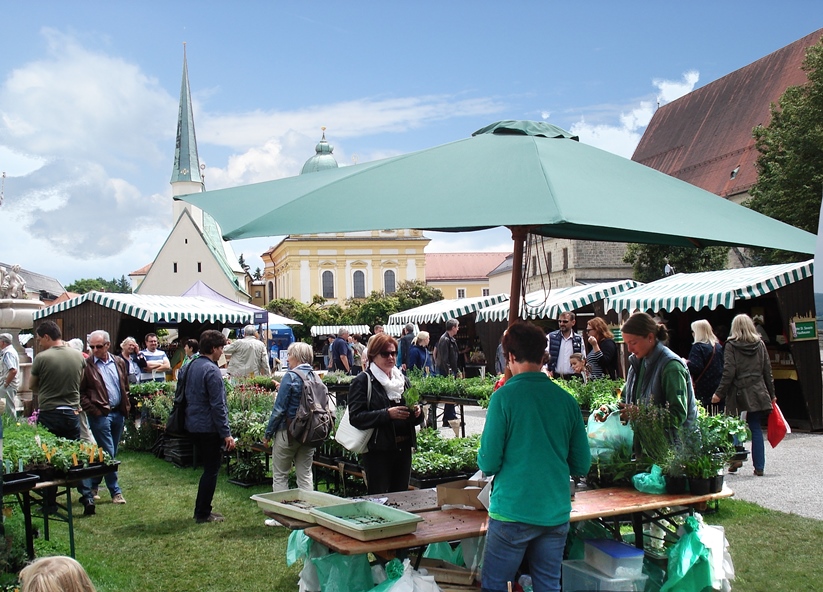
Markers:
<point>314,421</point>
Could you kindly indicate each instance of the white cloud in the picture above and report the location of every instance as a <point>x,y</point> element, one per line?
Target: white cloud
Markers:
<point>357,118</point>
<point>80,104</point>
<point>623,136</point>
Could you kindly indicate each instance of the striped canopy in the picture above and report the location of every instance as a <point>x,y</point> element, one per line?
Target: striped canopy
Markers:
<point>397,330</point>
<point>710,289</point>
<point>333,329</point>
<point>443,310</point>
<point>160,309</point>
<point>540,305</point>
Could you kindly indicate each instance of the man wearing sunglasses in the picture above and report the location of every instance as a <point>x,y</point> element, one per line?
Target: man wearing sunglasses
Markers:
<point>562,344</point>
<point>104,396</point>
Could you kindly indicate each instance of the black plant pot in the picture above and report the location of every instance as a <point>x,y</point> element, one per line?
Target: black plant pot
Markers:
<point>677,485</point>
<point>699,486</point>
<point>716,484</point>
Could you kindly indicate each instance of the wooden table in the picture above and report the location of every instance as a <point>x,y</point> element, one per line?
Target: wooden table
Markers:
<point>452,525</point>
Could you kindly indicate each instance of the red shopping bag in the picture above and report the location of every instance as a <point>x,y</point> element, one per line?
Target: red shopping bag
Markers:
<point>778,426</point>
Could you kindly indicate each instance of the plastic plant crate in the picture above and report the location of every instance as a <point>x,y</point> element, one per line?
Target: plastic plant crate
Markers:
<point>346,519</point>
<point>615,559</point>
<point>301,502</point>
<point>578,576</point>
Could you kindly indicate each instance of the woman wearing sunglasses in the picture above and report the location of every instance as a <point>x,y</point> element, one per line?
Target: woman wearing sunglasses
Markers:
<point>387,464</point>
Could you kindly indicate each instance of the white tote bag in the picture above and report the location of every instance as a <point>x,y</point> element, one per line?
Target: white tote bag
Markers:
<point>350,437</point>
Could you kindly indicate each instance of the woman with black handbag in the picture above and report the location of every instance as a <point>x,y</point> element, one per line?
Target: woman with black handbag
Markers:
<point>376,401</point>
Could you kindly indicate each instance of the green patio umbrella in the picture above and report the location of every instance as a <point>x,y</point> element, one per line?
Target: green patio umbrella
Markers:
<point>531,177</point>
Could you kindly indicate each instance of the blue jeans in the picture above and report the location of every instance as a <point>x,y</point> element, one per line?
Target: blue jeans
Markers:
<point>754,419</point>
<point>506,545</point>
<point>107,431</point>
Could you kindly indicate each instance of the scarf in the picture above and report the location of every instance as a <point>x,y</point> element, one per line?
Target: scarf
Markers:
<point>394,385</point>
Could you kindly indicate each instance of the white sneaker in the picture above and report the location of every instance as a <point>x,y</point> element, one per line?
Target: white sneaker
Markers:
<point>272,522</point>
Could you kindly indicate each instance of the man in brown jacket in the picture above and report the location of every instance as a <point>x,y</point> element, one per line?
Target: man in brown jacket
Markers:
<point>104,396</point>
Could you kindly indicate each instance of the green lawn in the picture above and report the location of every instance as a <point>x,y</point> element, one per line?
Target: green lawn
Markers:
<point>153,544</point>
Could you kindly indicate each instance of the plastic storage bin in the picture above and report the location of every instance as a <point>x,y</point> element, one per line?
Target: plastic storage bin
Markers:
<point>578,576</point>
<point>614,558</point>
<point>366,521</point>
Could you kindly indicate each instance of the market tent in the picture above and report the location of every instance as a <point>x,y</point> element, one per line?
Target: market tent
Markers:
<point>200,288</point>
<point>443,310</point>
<point>159,309</point>
<point>710,289</point>
<point>333,330</point>
<point>548,305</point>
<point>397,330</point>
<point>531,177</point>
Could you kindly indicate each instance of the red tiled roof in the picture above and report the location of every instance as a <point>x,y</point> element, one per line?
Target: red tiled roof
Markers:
<point>705,135</point>
<point>461,266</point>
<point>142,271</point>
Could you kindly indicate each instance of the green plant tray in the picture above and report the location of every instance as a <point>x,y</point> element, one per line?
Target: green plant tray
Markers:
<point>338,518</point>
<point>277,502</point>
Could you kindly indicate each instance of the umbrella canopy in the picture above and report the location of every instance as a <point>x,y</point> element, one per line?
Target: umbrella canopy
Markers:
<point>543,305</point>
<point>545,181</point>
<point>528,176</point>
<point>710,289</point>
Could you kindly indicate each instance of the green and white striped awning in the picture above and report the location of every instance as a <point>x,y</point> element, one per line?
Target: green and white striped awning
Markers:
<point>710,289</point>
<point>333,330</point>
<point>443,310</point>
<point>159,309</point>
<point>542,305</point>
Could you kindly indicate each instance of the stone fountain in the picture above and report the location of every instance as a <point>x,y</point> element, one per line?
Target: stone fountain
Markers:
<point>16,311</point>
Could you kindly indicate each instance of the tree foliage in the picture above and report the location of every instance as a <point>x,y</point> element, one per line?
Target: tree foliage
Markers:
<point>649,261</point>
<point>790,165</point>
<point>372,310</point>
<point>81,286</point>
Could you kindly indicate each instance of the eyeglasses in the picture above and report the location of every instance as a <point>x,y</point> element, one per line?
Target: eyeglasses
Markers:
<point>98,346</point>
<point>389,354</point>
<point>563,321</point>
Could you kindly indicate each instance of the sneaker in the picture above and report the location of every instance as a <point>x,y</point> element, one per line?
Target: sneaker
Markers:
<point>272,522</point>
<point>118,499</point>
<point>213,517</point>
<point>95,494</point>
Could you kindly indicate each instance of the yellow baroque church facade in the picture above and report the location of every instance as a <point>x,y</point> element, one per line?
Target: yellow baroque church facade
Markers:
<point>338,266</point>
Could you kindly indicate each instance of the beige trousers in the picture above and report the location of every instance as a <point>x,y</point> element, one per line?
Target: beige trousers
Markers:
<point>283,455</point>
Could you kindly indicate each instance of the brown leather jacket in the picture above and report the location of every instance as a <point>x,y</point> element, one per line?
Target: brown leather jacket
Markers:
<point>94,398</point>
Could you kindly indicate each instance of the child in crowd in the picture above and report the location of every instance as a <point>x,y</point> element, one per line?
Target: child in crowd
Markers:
<point>55,574</point>
<point>579,366</point>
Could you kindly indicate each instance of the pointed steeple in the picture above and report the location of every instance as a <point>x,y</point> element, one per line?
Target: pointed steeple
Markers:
<point>186,162</point>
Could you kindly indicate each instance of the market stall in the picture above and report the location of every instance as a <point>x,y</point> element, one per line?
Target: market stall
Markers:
<point>778,297</point>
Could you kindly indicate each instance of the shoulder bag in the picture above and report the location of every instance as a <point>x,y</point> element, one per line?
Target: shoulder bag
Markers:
<point>350,437</point>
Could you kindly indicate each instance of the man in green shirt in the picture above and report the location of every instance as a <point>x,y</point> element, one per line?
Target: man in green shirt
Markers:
<point>533,441</point>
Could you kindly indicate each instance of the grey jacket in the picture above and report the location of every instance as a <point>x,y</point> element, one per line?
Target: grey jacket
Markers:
<point>747,383</point>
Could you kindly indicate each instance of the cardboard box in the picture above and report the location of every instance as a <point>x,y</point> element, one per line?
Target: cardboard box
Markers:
<point>464,492</point>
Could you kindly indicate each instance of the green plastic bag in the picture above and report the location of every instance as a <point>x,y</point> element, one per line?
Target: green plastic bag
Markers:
<point>653,482</point>
<point>298,547</point>
<point>579,533</point>
<point>444,552</point>
<point>344,573</point>
<point>605,436</point>
<point>394,571</point>
<point>689,567</point>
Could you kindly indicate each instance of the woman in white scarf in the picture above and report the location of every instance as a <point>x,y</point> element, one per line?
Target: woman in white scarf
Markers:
<point>376,401</point>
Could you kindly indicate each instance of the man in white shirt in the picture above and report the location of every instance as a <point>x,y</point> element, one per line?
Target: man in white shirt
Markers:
<point>248,356</point>
<point>157,362</point>
<point>9,374</point>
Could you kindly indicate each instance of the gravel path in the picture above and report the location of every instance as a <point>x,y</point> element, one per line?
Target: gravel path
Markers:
<point>792,481</point>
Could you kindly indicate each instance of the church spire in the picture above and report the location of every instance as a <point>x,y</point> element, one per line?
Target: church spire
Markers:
<point>186,162</point>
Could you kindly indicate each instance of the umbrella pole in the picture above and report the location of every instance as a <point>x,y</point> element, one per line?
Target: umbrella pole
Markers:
<point>519,234</point>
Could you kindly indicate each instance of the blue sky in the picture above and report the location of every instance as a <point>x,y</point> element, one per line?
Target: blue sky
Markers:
<point>89,94</point>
